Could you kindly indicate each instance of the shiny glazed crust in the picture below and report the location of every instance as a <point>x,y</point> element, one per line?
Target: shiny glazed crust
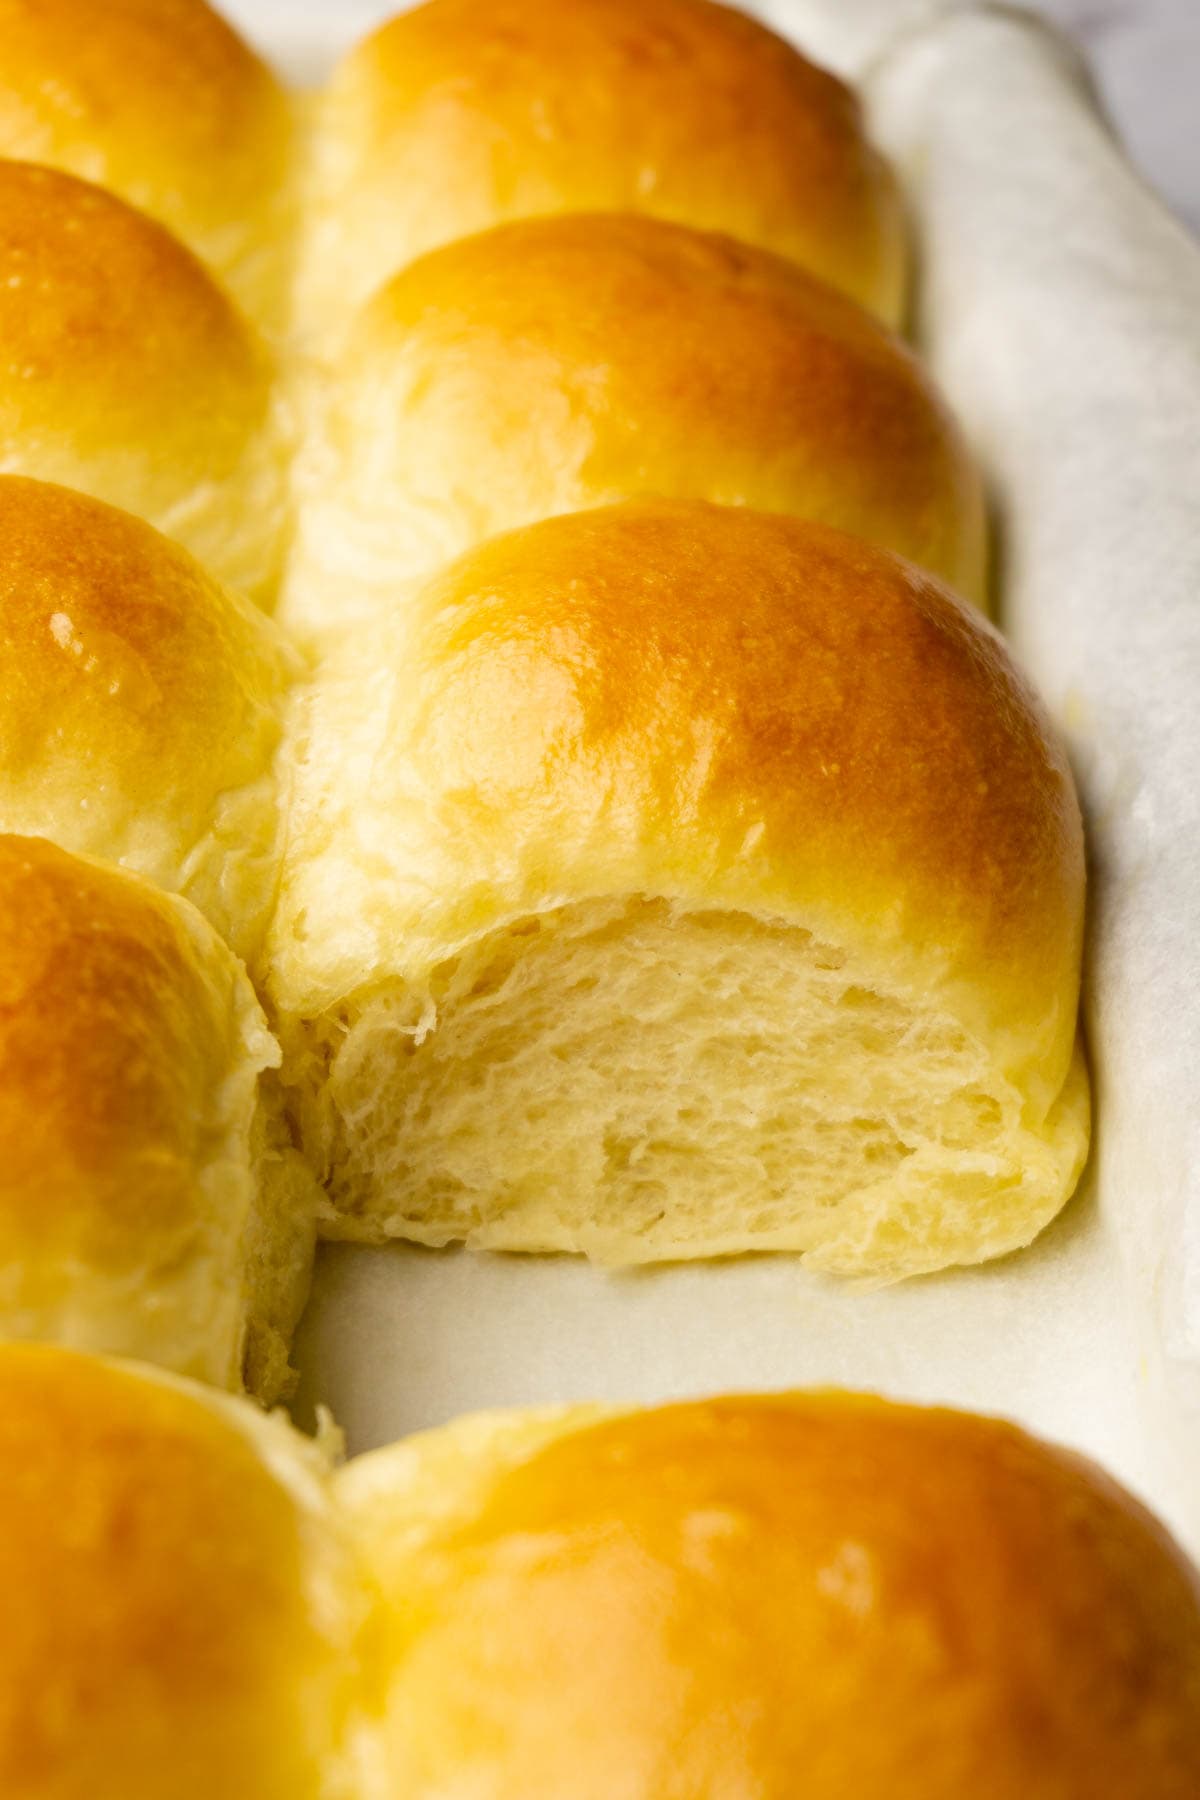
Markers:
<point>801,1593</point>
<point>106,323</point>
<point>168,107</point>
<point>565,362</point>
<point>178,1603</point>
<point>708,703</point>
<point>140,704</point>
<point>812,1593</point>
<point>465,113</point>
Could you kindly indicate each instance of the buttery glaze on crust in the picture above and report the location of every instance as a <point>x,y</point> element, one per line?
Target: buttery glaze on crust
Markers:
<point>170,1621</point>
<point>150,1203</point>
<point>817,1594</point>
<point>560,363</point>
<point>139,704</point>
<point>712,704</point>
<point>161,101</point>
<point>462,114</point>
<point>126,372</point>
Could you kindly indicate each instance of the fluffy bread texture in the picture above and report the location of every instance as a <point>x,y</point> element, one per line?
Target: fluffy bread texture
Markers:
<point>676,880</point>
<point>128,374</point>
<point>179,1607</point>
<point>566,362</point>
<point>151,1202</point>
<point>462,114</point>
<point>163,103</point>
<point>817,1594</point>
<point>140,705</point>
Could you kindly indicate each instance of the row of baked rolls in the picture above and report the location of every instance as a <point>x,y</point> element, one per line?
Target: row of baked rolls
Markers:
<point>798,1594</point>
<point>455,116</point>
<point>759,929</point>
<point>132,376</point>
<point>661,881</point>
<point>561,363</point>
<point>531,370</point>
<point>151,1200</point>
<point>754,820</point>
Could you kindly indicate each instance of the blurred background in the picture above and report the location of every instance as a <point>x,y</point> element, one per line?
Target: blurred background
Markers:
<point>1146,56</point>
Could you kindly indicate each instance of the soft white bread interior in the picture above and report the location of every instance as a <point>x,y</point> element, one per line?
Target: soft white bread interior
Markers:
<point>462,114</point>
<point>151,1201</point>
<point>163,103</point>
<point>816,1594</point>
<point>127,373</point>
<point>179,1607</point>
<point>566,362</point>
<point>140,705</point>
<point>673,880</point>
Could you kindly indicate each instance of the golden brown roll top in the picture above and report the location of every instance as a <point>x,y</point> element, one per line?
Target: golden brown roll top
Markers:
<point>177,1612</point>
<point>140,705</point>
<point>462,114</point>
<point>798,1594</point>
<point>151,1203</point>
<point>562,363</point>
<point>726,860</point>
<point>162,102</point>
<point>128,374</point>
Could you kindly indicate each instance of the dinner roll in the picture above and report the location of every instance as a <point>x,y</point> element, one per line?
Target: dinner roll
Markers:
<point>162,102</point>
<point>178,1605</point>
<point>462,114</point>
<point>564,362</point>
<point>127,373</point>
<point>814,1594</point>
<point>675,880</point>
<point>140,704</point>
<point>151,1202</point>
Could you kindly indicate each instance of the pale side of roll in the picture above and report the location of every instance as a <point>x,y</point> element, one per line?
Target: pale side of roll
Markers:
<point>817,1594</point>
<point>151,1202</point>
<point>675,880</point>
<point>570,361</point>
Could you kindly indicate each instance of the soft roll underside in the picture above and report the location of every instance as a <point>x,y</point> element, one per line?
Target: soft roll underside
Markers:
<point>640,1081</point>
